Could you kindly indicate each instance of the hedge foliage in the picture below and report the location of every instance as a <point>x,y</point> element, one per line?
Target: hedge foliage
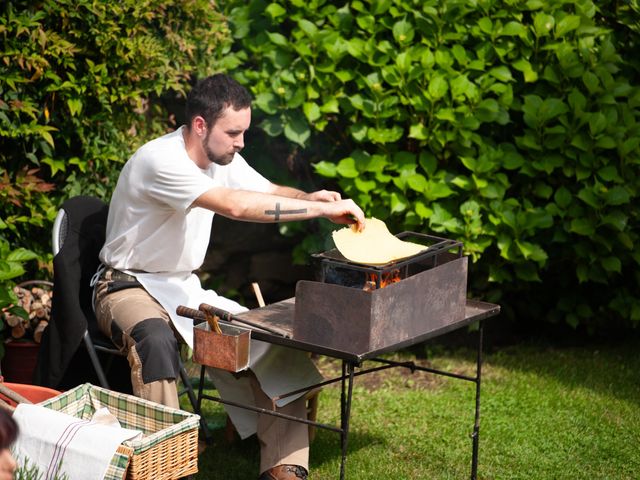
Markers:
<point>81,84</point>
<point>512,126</point>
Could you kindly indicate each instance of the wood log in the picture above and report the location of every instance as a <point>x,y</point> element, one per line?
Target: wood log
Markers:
<point>18,331</point>
<point>11,319</point>
<point>39,330</point>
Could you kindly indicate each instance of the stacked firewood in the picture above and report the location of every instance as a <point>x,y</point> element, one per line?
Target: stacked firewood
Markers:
<point>36,301</point>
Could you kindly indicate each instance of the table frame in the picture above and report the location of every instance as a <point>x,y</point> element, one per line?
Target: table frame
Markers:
<point>476,312</point>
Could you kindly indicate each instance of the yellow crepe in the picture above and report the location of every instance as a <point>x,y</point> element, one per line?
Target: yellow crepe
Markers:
<point>375,245</point>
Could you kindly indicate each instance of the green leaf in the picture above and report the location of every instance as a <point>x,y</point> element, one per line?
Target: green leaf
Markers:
<point>75,106</point>
<point>597,123</point>
<point>610,174</point>
<point>307,27</point>
<point>418,131</point>
<point>577,101</point>
<point>385,135</point>
<point>278,39</point>
<point>438,87</point>
<point>486,25</point>
<point>311,111</point>
<point>567,24</point>
<point>347,168</point>
<point>582,226</point>
<point>542,24</point>
<point>542,190</point>
<point>523,65</point>
<point>531,251</point>
<point>267,102</point>
<point>563,197</point>
<point>275,10</point>
<point>422,210</point>
<point>591,82</point>
<point>403,32</point>
<point>502,73</point>
<point>21,255</point>
<point>272,126</point>
<point>616,219</point>
<point>364,185</point>
<point>590,197</point>
<point>514,29</point>
<point>297,130</point>
<point>617,195</point>
<point>325,169</point>
<point>417,182</point>
<point>611,264</point>
<point>398,203</point>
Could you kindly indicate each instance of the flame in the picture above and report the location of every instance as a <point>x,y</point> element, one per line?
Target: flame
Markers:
<point>387,278</point>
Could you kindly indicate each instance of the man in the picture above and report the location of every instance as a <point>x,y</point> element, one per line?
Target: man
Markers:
<point>158,232</point>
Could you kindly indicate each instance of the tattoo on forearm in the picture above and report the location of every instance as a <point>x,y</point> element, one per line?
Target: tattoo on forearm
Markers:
<point>277,212</point>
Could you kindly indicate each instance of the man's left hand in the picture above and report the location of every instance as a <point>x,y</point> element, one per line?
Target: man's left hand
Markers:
<point>323,196</point>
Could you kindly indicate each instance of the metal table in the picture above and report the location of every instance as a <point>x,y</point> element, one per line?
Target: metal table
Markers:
<point>274,324</point>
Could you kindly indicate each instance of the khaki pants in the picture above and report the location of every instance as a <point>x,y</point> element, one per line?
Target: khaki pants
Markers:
<point>122,316</point>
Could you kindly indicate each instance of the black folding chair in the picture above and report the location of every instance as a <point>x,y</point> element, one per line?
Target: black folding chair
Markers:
<point>78,236</point>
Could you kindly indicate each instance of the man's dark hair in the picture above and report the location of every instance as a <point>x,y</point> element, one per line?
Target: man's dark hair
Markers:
<point>213,95</point>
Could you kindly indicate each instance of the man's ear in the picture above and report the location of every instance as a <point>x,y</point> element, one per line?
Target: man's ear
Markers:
<point>199,125</point>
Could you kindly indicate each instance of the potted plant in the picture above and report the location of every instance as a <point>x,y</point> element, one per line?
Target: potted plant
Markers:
<point>22,307</point>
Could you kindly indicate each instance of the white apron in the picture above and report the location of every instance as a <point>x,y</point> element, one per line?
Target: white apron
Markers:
<point>278,369</point>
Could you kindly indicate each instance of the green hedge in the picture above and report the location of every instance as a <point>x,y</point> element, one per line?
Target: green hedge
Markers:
<point>82,82</point>
<point>512,126</point>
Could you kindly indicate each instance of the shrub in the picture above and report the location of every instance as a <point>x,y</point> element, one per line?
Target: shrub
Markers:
<point>512,126</point>
<point>82,83</point>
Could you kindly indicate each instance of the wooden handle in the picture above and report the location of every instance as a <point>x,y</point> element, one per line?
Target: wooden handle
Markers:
<point>218,312</point>
<point>258,294</point>
<point>190,312</point>
<point>16,397</point>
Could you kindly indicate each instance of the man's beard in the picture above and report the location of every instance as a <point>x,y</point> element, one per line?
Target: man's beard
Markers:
<point>212,157</point>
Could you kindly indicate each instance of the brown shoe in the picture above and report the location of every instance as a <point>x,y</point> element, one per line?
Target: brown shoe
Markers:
<point>284,472</point>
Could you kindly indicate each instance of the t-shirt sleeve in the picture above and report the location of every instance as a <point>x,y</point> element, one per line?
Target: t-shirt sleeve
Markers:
<point>243,176</point>
<point>175,182</point>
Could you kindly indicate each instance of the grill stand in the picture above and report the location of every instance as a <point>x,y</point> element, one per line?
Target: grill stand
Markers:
<point>349,364</point>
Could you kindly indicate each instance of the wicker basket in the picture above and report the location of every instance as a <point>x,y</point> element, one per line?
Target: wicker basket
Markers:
<point>168,448</point>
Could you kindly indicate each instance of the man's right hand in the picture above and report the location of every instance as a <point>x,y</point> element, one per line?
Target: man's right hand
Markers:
<point>345,212</point>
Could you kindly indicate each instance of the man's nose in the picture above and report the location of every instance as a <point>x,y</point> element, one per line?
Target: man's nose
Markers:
<point>238,143</point>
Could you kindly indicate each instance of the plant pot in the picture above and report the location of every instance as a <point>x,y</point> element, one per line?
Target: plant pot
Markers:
<point>19,361</point>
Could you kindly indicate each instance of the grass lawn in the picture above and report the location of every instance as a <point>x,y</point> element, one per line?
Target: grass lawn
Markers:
<point>548,412</point>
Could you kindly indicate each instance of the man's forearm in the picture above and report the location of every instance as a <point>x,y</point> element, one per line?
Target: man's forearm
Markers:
<point>289,192</point>
<point>257,207</point>
<point>266,207</point>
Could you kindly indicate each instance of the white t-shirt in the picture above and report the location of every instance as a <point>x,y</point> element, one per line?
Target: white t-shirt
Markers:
<point>152,228</point>
<point>151,225</point>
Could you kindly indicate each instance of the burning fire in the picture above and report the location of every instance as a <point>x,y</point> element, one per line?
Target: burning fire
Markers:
<point>386,278</point>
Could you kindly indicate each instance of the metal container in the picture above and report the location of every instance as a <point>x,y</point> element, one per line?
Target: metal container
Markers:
<point>227,351</point>
<point>358,321</point>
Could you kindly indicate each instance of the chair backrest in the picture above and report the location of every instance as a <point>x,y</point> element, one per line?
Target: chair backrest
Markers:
<point>79,233</point>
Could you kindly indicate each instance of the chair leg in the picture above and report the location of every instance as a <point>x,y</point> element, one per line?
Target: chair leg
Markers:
<point>102,378</point>
<point>188,389</point>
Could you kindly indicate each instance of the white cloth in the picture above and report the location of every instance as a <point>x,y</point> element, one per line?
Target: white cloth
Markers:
<point>82,448</point>
<point>152,228</point>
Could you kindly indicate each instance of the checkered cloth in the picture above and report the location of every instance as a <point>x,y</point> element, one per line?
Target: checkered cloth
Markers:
<point>156,421</point>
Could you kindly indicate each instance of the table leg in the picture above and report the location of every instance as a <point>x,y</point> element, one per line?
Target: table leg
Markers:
<point>345,411</point>
<point>476,426</point>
